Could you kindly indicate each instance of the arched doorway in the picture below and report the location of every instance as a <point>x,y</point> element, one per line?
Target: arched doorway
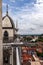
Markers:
<point>5,36</point>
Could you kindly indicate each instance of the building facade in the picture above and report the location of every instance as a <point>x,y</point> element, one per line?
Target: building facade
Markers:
<point>8,35</point>
<point>8,29</point>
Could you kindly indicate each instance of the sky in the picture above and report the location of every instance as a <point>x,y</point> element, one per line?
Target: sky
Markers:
<point>27,13</point>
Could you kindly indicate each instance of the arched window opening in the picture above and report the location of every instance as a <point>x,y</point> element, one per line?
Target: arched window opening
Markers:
<point>6,57</point>
<point>5,35</point>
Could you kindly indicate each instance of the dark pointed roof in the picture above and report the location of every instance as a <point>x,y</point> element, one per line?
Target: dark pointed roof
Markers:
<point>13,26</point>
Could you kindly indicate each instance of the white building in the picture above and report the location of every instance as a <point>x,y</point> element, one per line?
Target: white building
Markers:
<point>8,28</point>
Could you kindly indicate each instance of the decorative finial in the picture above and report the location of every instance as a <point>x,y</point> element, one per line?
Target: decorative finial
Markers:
<point>7,10</point>
<point>16,24</point>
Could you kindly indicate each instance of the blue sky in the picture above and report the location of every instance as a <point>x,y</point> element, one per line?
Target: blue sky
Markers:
<point>28,14</point>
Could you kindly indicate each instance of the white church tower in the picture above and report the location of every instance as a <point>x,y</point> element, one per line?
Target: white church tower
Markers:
<point>8,28</point>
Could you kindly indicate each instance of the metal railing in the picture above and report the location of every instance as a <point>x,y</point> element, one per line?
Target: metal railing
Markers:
<point>18,44</point>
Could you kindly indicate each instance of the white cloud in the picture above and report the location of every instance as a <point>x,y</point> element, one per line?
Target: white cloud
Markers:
<point>30,20</point>
<point>39,1</point>
<point>3,4</point>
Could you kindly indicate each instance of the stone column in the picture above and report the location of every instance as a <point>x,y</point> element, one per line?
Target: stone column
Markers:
<point>17,57</point>
<point>12,55</point>
<point>1,47</point>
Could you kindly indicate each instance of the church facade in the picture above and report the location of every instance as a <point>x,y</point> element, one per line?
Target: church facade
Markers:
<point>8,29</point>
<point>8,34</point>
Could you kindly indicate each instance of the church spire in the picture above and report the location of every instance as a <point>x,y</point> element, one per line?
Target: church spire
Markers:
<point>16,24</point>
<point>6,9</point>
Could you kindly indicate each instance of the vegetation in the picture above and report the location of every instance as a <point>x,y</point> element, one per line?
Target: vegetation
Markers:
<point>39,54</point>
<point>27,38</point>
<point>40,38</point>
